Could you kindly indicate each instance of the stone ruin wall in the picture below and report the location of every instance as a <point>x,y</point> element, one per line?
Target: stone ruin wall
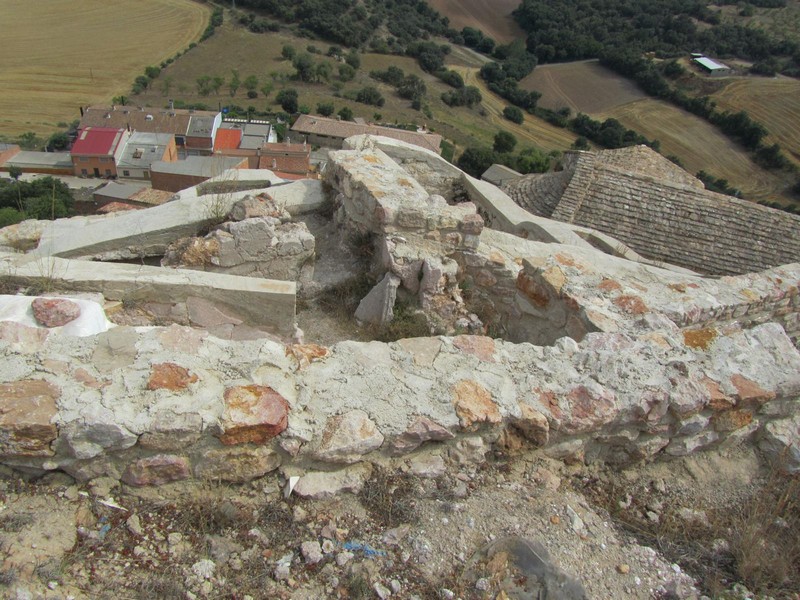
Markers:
<point>661,364</point>
<point>154,405</point>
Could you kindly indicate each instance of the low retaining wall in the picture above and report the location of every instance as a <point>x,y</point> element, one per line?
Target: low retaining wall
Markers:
<point>154,405</point>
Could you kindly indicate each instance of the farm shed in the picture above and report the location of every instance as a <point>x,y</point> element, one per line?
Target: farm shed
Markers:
<point>712,67</point>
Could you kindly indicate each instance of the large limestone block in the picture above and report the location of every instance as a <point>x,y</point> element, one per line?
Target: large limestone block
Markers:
<point>377,306</point>
<point>781,441</point>
<point>348,437</point>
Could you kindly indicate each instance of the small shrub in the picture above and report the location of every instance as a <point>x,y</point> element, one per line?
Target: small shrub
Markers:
<point>389,498</point>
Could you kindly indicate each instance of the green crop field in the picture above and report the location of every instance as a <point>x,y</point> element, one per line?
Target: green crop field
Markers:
<point>60,54</point>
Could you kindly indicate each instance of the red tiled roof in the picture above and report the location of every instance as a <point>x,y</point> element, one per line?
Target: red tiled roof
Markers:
<point>97,141</point>
<point>227,139</point>
<point>116,207</point>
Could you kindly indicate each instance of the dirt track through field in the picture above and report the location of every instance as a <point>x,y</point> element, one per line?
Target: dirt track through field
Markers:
<point>61,54</point>
<point>492,17</point>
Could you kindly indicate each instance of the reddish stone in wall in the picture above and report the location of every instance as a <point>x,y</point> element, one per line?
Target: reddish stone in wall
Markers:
<point>749,392</point>
<point>477,345</point>
<point>253,413</point>
<point>169,376</point>
<point>474,404</point>
<point>55,312</point>
<point>156,470</point>
<point>632,305</point>
<point>27,409</point>
<point>589,409</point>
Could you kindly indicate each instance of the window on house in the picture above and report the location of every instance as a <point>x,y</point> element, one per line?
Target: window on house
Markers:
<point>108,172</point>
<point>126,173</point>
<point>103,159</point>
<point>84,172</point>
<point>84,159</point>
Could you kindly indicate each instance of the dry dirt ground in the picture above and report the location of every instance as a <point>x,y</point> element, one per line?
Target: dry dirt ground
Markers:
<point>412,534</point>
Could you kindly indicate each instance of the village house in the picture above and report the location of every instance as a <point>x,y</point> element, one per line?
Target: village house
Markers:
<point>194,130</point>
<point>288,161</point>
<point>96,151</point>
<point>115,196</point>
<point>321,131</point>
<point>142,150</point>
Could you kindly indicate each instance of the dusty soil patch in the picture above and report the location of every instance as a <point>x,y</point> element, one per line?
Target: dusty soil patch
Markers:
<point>228,541</point>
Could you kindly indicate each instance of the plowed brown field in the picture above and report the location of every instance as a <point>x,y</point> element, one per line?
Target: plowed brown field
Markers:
<point>492,17</point>
<point>583,86</point>
<point>60,54</point>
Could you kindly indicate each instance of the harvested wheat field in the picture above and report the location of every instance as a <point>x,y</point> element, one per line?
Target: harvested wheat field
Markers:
<point>698,144</point>
<point>775,103</point>
<point>492,17</point>
<point>584,86</point>
<point>60,54</point>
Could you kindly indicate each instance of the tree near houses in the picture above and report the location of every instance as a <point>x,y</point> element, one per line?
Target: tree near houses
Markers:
<point>325,109</point>
<point>204,85</point>
<point>288,100</point>
<point>304,64</point>
<point>475,160</point>
<point>346,114</point>
<point>216,83</point>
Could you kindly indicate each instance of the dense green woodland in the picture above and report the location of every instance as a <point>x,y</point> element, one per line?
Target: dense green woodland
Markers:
<point>43,198</point>
<point>578,29</point>
<point>353,23</point>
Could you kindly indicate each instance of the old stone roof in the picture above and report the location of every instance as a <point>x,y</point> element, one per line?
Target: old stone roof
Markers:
<point>313,124</point>
<point>662,212</point>
<point>499,174</point>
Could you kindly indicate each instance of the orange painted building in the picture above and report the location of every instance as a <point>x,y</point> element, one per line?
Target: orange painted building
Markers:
<point>96,151</point>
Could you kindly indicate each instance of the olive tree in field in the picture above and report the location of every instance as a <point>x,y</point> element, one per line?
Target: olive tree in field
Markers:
<point>204,85</point>
<point>250,83</point>
<point>234,83</point>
